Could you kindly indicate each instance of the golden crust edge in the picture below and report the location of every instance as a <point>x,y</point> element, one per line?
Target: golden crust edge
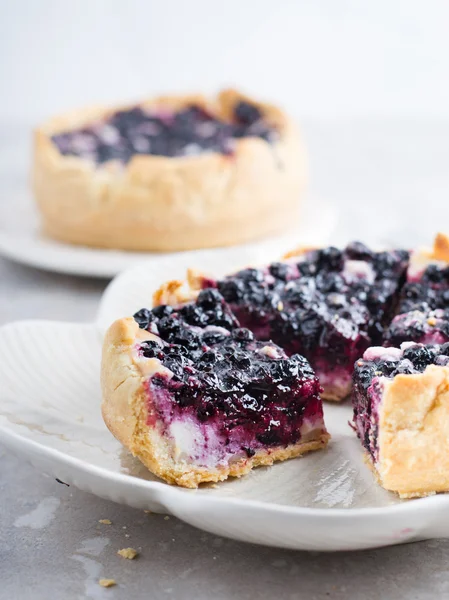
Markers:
<point>412,436</point>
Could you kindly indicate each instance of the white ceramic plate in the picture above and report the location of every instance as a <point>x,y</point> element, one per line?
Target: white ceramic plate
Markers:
<point>22,241</point>
<point>50,414</point>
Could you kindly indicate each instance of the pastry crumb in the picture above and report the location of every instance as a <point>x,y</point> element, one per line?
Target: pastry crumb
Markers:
<point>107,582</point>
<point>128,553</point>
<point>166,518</point>
<point>214,486</point>
<point>148,512</point>
<point>105,522</point>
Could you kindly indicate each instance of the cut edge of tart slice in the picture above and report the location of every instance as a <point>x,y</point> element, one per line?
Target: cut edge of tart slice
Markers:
<point>401,416</point>
<point>169,438</point>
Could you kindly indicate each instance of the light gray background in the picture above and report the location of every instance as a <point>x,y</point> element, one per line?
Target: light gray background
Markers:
<point>326,59</point>
<point>369,82</point>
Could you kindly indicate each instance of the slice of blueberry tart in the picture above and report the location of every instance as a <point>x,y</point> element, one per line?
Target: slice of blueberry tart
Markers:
<point>169,173</point>
<point>328,305</point>
<point>197,398</point>
<point>401,415</point>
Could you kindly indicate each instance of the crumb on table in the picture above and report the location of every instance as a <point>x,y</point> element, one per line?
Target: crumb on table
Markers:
<point>107,582</point>
<point>105,522</point>
<point>128,553</point>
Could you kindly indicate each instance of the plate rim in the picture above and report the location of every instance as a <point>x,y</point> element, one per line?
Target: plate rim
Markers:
<point>51,255</point>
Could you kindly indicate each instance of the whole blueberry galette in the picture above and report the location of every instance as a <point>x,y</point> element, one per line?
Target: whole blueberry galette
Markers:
<point>224,374</point>
<point>170,173</point>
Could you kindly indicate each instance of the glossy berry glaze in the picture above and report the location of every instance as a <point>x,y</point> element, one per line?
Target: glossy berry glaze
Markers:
<point>423,309</point>
<point>221,393</point>
<point>370,373</point>
<point>188,132</point>
<point>328,305</point>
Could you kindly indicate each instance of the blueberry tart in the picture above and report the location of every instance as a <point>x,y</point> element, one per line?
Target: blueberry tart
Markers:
<point>401,416</point>
<point>197,398</point>
<point>328,305</point>
<point>171,173</point>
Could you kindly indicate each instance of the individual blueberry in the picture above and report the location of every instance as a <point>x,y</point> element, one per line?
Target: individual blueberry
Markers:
<point>282,369</point>
<point>162,311</point>
<point>151,349</point>
<point>310,326</point>
<point>143,317</point>
<point>303,365</point>
<point>242,335</point>
<point>279,270</point>
<point>247,113</point>
<point>420,356</point>
<point>330,259</point>
<point>385,263</point>
<point>209,357</point>
<point>186,337</point>
<point>209,298</point>
<point>168,326</point>
<point>388,367</point>
<point>194,315</point>
<point>434,274</point>
<point>231,289</point>
<point>358,251</point>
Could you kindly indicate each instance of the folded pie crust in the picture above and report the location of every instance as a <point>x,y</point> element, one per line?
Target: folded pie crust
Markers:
<point>413,438</point>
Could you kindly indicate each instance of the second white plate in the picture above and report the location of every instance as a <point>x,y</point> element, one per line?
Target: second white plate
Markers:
<point>328,500</point>
<point>21,240</point>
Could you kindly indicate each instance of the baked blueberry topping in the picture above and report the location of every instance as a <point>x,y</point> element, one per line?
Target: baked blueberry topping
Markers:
<point>329,304</point>
<point>424,326</point>
<point>219,372</point>
<point>187,132</point>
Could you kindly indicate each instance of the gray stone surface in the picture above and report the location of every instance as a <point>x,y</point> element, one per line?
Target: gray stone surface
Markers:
<point>391,181</point>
